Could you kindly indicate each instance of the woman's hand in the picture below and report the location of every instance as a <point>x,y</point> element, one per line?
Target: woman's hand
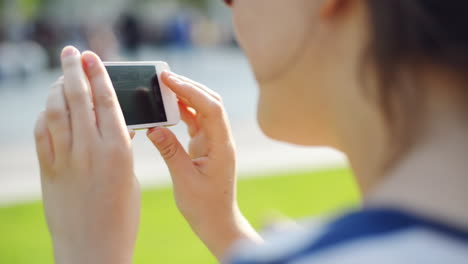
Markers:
<point>91,196</point>
<point>204,178</point>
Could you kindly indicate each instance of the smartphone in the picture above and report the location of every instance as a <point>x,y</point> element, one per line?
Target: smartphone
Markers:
<point>145,101</point>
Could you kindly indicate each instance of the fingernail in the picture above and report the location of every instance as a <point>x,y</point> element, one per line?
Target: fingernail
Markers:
<point>174,79</point>
<point>69,51</point>
<point>90,60</point>
<point>157,135</point>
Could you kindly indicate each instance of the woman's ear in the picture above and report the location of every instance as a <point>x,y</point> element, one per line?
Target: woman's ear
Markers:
<point>333,8</point>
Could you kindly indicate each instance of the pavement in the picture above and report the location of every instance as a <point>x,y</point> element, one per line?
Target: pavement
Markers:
<point>257,155</point>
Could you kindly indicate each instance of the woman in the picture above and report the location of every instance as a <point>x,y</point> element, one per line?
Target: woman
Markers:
<point>383,81</point>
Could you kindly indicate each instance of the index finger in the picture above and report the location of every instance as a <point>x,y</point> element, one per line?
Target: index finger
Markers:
<point>215,95</point>
<point>200,100</point>
<point>109,116</point>
<point>206,106</point>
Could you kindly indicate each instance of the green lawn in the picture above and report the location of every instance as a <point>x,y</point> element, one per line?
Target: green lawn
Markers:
<point>165,237</point>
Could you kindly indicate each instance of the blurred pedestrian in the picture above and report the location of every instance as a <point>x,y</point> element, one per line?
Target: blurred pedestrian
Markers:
<point>130,33</point>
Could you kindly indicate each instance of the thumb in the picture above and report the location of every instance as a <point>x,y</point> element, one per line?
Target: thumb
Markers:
<point>177,159</point>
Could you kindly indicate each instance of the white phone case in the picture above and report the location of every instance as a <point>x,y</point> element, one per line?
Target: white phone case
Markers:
<point>169,98</point>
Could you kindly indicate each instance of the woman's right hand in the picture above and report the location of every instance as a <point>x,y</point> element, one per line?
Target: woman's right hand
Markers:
<point>204,177</point>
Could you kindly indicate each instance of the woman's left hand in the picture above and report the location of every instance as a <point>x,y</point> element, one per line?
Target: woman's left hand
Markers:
<point>91,196</point>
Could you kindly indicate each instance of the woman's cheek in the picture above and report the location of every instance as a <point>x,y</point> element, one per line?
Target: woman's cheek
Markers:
<point>272,34</point>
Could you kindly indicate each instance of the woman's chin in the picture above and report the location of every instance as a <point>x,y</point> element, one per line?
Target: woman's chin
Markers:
<point>281,129</point>
<point>278,130</point>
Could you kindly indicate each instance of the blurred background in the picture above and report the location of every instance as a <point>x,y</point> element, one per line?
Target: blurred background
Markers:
<point>196,38</point>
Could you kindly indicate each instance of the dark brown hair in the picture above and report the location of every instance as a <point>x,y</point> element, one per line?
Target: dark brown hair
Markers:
<point>406,35</point>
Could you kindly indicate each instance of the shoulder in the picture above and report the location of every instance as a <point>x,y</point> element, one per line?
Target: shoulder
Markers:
<point>368,236</point>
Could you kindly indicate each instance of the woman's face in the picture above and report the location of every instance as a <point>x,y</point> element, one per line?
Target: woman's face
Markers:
<point>272,33</point>
<point>292,47</point>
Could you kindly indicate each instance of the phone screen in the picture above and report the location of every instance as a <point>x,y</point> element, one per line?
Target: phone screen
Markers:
<point>139,94</point>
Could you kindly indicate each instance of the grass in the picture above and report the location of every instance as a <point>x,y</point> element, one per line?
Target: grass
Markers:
<point>165,237</point>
